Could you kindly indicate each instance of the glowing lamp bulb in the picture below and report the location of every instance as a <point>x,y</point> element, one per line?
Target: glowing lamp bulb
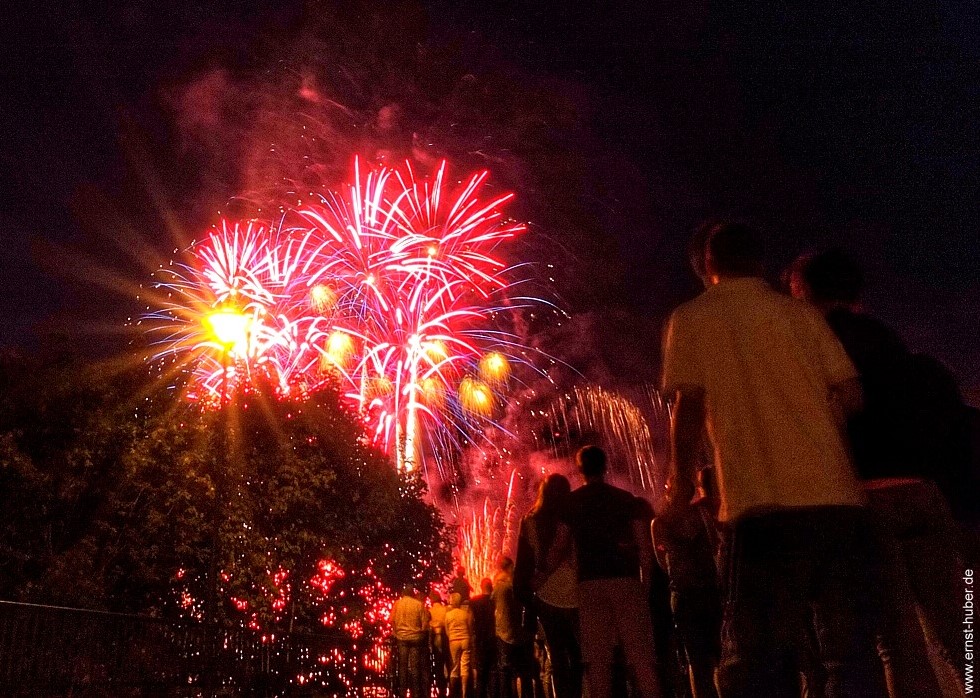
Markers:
<point>229,328</point>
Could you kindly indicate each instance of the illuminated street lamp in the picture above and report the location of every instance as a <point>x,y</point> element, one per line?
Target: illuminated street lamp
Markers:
<point>228,327</point>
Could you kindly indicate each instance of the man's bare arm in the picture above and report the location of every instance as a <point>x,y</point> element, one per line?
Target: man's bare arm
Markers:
<point>686,429</point>
<point>644,548</point>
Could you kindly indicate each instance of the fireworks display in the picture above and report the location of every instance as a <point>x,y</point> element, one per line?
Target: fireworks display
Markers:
<point>393,286</point>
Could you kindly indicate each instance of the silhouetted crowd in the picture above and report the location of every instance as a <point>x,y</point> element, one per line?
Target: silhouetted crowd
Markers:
<point>821,510</point>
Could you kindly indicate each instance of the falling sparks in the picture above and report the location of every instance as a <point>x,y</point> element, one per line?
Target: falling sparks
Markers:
<point>633,437</point>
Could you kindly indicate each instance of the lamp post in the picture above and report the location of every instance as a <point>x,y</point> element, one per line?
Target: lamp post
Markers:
<point>229,327</point>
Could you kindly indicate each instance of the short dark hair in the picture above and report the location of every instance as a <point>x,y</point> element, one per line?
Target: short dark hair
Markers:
<point>833,277</point>
<point>696,248</point>
<point>591,461</point>
<point>734,249</point>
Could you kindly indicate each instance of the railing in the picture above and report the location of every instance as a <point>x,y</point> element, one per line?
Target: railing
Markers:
<point>55,651</point>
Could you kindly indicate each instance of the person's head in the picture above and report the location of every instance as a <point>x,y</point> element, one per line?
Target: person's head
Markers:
<point>505,564</point>
<point>434,597</point>
<point>696,250</point>
<point>732,250</point>
<point>591,462</point>
<point>408,590</point>
<point>486,586</point>
<point>456,600</point>
<point>461,572</point>
<point>551,493</point>
<point>792,278</point>
<point>833,279</point>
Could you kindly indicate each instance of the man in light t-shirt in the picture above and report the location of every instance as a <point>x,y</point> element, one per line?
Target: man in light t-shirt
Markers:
<point>772,385</point>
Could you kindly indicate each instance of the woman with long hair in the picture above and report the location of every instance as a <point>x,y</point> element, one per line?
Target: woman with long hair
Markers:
<point>551,597</point>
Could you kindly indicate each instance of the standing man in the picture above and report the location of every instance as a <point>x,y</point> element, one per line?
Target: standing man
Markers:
<point>773,386</point>
<point>409,627</point>
<point>460,584</point>
<point>610,529</point>
<point>513,644</point>
<point>484,638</point>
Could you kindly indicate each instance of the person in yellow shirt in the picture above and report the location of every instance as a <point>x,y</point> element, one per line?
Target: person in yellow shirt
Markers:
<point>410,628</point>
<point>459,630</point>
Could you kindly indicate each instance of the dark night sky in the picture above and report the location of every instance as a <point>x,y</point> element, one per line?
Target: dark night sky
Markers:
<point>827,123</point>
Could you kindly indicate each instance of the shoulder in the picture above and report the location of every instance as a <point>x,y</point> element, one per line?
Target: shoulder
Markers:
<point>688,313</point>
<point>800,313</point>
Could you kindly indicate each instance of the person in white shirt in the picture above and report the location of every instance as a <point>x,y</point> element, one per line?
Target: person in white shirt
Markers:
<point>764,374</point>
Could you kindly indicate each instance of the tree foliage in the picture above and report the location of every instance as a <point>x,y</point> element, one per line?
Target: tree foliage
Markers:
<point>121,496</point>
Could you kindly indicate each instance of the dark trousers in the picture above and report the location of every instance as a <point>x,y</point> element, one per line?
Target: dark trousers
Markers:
<point>440,662</point>
<point>484,663</point>
<point>697,618</point>
<point>514,671</point>
<point>784,571</point>
<point>561,635</point>
<point>411,672</point>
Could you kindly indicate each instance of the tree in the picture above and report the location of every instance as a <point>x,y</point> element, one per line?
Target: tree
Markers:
<point>269,517</point>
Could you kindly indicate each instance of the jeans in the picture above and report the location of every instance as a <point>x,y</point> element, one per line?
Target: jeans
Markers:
<point>411,674</point>
<point>788,569</point>
<point>920,568</point>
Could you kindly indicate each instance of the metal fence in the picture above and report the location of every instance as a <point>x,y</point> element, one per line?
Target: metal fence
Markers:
<point>54,651</point>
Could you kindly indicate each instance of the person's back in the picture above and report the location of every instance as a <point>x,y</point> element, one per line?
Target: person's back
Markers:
<point>610,530</point>
<point>459,624</point>
<point>905,445</point>
<point>409,621</point>
<point>484,637</point>
<point>600,517</point>
<point>460,585</point>
<point>459,630</point>
<point>766,365</point>
<point>484,623</point>
<point>409,626</point>
<point>507,610</point>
